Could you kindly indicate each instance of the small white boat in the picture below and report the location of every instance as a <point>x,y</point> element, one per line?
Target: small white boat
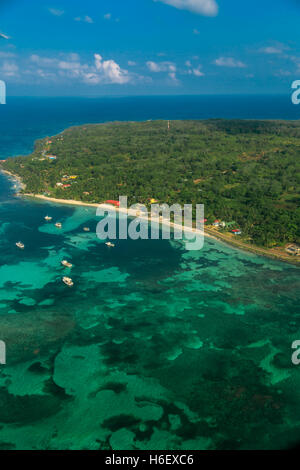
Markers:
<point>58,225</point>
<point>111,245</point>
<point>20,245</point>
<point>86,229</point>
<point>68,281</point>
<point>66,264</point>
<point>48,219</point>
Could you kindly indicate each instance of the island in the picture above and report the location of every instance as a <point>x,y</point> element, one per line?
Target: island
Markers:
<point>245,172</point>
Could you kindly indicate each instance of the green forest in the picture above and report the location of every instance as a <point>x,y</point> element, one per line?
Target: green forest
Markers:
<point>243,171</point>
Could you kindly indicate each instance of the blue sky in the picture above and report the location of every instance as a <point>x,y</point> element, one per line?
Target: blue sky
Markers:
<point>144,47</point>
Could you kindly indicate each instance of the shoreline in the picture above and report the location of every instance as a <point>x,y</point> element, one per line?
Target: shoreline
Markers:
<point>129,212</point>
<point>208,232</point>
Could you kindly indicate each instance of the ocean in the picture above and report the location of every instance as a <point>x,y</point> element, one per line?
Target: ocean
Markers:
<point>154,347</point>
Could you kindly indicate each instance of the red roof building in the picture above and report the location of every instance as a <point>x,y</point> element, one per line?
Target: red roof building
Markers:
<point>114,203</point>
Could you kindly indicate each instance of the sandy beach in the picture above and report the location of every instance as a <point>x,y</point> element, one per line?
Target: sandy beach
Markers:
<point>129,212</point>
<point>207,232</point>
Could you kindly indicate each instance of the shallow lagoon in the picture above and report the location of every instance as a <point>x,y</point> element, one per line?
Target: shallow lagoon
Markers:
<point>154,348</point>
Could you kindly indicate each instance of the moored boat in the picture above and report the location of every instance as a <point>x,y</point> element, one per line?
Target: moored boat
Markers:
<point>58,225</point>
<point>110,245</point>
<point>20,245</point>
<point>68,281</point>
<point>86,229</point>
<point>47,218</point>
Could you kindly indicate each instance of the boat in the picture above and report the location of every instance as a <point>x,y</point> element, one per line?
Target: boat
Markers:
<point>66,264</point>
<point>20,245</point>
<point>111,245</point>
<point>48,218</point>
<point>68,281</point>
<point>86,229</point>
<point>58,225</point>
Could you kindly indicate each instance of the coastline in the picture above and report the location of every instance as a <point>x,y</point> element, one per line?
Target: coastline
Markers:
<point>129,212</point>
<point>208,232</point>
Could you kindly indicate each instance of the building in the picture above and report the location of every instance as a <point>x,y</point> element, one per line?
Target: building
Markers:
<point>114,203</point>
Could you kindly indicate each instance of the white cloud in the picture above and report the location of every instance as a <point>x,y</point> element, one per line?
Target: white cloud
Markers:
<point>43,74</point>
<point>201,7</point>
<point>169,67</point>
<point>6,55</point>
<point>42,61</point>
<point>271,50</point>
<point>276,48</point>
<point>295,61</point>
<point>70,66</point>
<point>73,56</point>
<point>194,70</point>
<point>283,73</point>
<point>173,77</point>
<point>229,62</point>
<point>107,16</point>
<point>131,63</point>
<point>110,71</point>
<point>85,19</point>
<point>74,66</point>
<point>157,67</point>
<point>197,72</point>
<point>56,12</point>
<point>9,69</point>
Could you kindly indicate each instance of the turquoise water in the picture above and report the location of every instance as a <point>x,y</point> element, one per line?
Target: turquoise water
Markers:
<point>155,347</point>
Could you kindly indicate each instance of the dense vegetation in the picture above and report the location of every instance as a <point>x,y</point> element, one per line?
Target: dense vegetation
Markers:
<point>246,171</point>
